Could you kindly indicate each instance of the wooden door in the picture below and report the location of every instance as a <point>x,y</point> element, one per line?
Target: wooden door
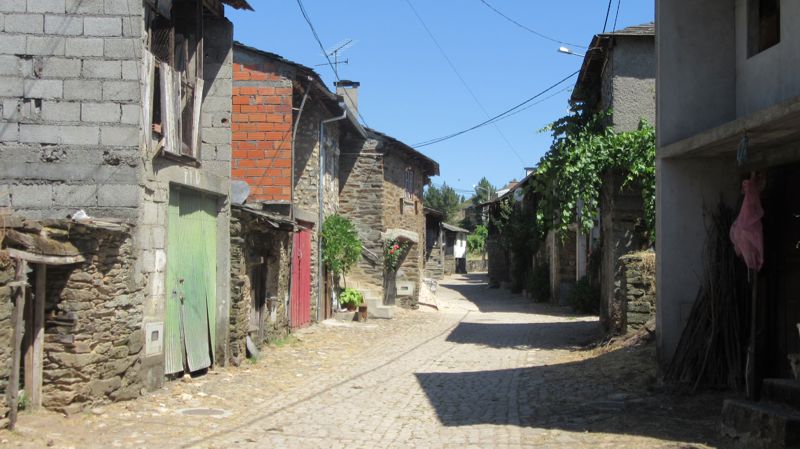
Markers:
<point>189,336</point>
<point>300,311</point>
<point>782,268</point>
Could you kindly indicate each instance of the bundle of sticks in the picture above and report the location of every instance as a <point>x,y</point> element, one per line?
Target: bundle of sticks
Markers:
<point>712,348</point>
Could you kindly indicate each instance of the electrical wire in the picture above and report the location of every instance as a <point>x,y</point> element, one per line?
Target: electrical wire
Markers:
<point>325,52</point>
<point>608,11</point>
<point>530,30</point>
<point>616,16</point>
<point>507,112</point>
<point>461,78</point>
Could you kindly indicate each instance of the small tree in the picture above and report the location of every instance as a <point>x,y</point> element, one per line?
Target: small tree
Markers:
<point>476,242</point>
<point>341,246</point>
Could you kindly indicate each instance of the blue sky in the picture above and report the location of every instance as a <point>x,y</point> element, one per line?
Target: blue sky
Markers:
<point>408,89</point>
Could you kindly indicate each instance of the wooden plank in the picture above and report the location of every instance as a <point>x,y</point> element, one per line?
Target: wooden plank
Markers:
<point>198,104</point>
<point>12,392</point>
<point>35,386</point>
<point>38,258</point>
<point>148,78</point>
<point>167,107</point>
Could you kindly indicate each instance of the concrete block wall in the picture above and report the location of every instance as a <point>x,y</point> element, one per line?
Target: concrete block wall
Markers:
<point>262,125</point>
<point>69,94</point>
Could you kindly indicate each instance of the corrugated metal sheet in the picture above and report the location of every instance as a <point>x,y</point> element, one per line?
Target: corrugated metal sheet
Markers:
<point>191,281</point>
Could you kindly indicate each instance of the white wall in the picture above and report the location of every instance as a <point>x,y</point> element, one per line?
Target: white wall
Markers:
<point>688,190</point>
<point>460,248</point>
<point>696,67</point>
<point>771,76</point>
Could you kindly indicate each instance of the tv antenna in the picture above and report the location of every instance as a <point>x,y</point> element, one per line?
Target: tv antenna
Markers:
<point>335,52</point>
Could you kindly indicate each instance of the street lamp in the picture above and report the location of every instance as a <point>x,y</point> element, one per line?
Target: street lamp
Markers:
<point>567,51</point>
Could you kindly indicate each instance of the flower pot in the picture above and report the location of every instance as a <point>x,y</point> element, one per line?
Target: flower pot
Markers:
<point>362,313</point>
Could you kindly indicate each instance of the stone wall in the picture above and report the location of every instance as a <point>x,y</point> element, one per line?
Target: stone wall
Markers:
<point>477,266</point>
<point>256,244</point>
<point>306,175</point>
<point>498,266</point>
<point>7,273</point>
<point>361,201</point>
<point>621,226</point>
<point>403,211</point>
<point>93,319</point>
<point>634,292</point>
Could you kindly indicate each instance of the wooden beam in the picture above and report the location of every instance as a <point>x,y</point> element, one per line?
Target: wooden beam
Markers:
<point>12,392</point>
<point>34,388</point>
<point>38,258</point>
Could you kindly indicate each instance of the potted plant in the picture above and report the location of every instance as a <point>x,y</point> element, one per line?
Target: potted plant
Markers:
<point>350,298</point>
<point>341,248</point>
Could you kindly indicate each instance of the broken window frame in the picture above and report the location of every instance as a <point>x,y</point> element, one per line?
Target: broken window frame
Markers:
<point>763,25</point>
<point>409,183</point>
<point>175,94</point>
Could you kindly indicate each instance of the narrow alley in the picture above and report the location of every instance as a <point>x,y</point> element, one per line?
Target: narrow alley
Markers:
<point>489,368</point>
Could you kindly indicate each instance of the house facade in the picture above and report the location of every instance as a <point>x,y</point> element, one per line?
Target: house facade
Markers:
<point>380,191</point>
<point>286,143</point>
<point>617,75</point>
<point>732,112</point>
<point>100,115</point>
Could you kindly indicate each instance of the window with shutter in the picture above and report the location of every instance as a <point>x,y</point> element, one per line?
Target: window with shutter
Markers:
<point>176,43</point>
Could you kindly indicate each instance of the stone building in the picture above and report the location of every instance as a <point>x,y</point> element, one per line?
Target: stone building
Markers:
<point>434,244</point>
<point>380,191</point>
<point>281,112</point>
<point>617,75</point>
<point>261,245</point>
<point>121,108</point>
<point>455,249</point>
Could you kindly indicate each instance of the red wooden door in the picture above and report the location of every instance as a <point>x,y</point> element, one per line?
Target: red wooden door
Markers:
<point>300,310</point>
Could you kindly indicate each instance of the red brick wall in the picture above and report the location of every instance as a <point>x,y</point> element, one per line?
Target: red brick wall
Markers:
<point>262,131</point>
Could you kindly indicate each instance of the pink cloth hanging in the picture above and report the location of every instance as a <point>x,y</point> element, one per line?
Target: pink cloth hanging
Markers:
<point>747,233</point>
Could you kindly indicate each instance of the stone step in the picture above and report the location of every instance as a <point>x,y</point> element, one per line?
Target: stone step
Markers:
<point>346,316</point>
<point>761,425</point>
<point>376,308</point>
<point>785,391</point>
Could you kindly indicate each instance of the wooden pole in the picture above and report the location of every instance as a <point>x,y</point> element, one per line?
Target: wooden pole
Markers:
<point>750,367</point>
<point>12,395</point>
<point>37,338</point>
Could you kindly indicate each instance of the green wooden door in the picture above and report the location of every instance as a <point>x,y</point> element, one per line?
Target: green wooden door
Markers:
<point>191,281</point>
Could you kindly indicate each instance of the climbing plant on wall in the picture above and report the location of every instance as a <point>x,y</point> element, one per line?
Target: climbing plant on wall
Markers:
<point>570,173</point>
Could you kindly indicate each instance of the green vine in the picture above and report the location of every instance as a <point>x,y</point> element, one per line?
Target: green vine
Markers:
<point>570,173</point>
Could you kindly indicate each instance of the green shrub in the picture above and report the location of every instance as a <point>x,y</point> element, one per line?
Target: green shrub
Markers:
<point>350,296</point>
<point>585,297</point>
<point>538,284</point>
<point>341,246</point>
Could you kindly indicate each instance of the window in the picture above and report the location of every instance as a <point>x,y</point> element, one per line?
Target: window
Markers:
<point>763,25</point>
<point>409,182</point>
<point>176,45</point>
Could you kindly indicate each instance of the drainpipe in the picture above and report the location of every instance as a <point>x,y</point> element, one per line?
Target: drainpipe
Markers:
<point>321,189</point>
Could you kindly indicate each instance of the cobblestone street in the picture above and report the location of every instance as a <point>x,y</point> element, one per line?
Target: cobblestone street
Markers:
<point>489,369</point>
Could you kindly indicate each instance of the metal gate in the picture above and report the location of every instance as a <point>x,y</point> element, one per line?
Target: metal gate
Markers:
<point>300,308</point>
<point>189,335</point>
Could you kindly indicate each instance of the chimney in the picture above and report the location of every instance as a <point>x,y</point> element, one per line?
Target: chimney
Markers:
<point>349,91</point>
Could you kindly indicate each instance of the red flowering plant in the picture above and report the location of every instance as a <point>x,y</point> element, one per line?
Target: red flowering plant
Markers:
<point>393,250</point>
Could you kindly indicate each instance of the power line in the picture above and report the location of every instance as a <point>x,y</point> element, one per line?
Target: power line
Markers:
<point>616,16</point>
<point>608,11</point>
<point>325,52</point>
<point>466,86</point>
<point>507,112</point>
<point>543,36</point>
